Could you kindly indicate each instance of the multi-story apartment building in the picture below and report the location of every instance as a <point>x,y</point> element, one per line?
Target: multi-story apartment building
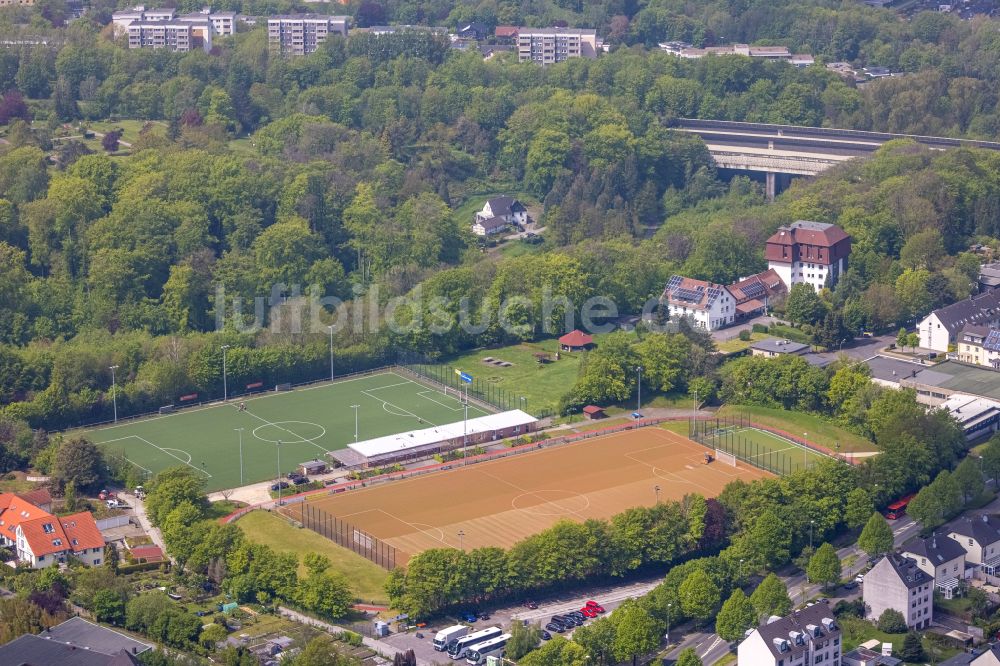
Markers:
<point>302,34</point>
<point>180,36</point>
<point>897,582</point>
<point>811,252</point>
<point>552,45</point>
<point>806,637</point>
<point>206,23</point>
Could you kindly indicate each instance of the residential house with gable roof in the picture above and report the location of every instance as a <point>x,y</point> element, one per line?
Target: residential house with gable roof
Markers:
<point>940,329</point>
<point>710,306</point>
<point>41,539</point>
<point>979,536</point>
<point>804,637</point>
<point>755,294</point>
<point>940,557</point>
<point>499,214</point>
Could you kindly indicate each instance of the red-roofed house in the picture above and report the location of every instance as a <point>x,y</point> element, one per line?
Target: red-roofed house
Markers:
<point>753,295</point>
<point>575,340</point>
<point>41,498</point>
<point>710,306</point>
<point>40,539</point>
<point>811,252</point>
<point>593,412</point>
<point>147,553</point>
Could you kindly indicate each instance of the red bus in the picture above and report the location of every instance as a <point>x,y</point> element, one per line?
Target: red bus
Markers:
<point>898,508</point>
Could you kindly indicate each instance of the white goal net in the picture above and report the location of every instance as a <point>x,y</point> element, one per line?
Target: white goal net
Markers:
<point>727,458</point>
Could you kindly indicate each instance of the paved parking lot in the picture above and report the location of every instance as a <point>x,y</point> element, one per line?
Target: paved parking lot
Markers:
<point>608,596</point>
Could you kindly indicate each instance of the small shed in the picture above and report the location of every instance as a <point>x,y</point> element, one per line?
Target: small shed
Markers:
<point>575,341</point>
<point>311,467</point>
<point>593,412</point>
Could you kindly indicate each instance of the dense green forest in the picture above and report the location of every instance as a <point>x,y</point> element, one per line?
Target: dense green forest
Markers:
<point>337,175</point>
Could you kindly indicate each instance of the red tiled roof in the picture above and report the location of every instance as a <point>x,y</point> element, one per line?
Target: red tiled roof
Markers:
<point>44,535</point>
<point>676,288</point>
<point>81,530</point>
<point>149,553</point>
<point>14,511</point>
<point>809,233</point>
<point>37,497</point>
<point>747,307</point>
<point>592,409</point>
<point>576,338</point>
<point>506,31</point>
<point>769,280</point>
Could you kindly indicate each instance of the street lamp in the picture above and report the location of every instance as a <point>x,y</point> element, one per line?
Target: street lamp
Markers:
<point>524,404</point>
<point>355,408</point>
<point>805,450</point>
<point>741,568</point>
<point>657,489</point>
<point>811,523</point>
<point>225,375</point>
<point>667,635</point>
<point>114,391</point>
<point>461,540</point>
<point>638,401</point>
<point>240,430</point>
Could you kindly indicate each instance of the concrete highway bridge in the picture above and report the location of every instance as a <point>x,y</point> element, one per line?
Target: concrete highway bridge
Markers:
<point>783,151</point>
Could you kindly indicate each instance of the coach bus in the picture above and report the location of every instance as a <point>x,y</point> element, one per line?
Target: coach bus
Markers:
<point>491,648</point>
<point>898,508</point>
<point>458,649</point>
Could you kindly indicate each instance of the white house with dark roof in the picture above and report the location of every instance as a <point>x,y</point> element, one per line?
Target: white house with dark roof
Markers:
<point>498,214</point>
<point>897,582</point>
<point>941,558</point>
<point>940,329</point>
<point>814,253</point>
<point>979,536</point>
<point>807,636</point>
<point>710,306</point>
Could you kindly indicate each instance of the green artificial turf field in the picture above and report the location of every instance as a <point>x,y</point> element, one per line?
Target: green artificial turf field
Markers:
<point>759,447</point>
<point>307,422</point>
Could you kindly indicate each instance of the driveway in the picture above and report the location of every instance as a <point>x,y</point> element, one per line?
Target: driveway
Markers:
<point>143,520</point>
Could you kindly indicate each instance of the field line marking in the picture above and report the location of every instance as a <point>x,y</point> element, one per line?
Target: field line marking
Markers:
<point>423,394</point>
<point>407,412</point>
<point>294,434</point>
<point>536,494</point>
<point>178,458</point>
<point>414,526</point>
<point>379,388</point>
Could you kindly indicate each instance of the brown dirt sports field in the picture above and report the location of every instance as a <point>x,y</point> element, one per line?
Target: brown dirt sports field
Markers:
<point>500,502</point>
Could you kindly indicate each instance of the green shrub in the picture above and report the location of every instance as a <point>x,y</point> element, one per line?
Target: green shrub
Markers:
<point>745,335</point>
<point>892,621</point>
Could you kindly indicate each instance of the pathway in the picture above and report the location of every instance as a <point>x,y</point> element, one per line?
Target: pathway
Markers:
<point>144,522</point>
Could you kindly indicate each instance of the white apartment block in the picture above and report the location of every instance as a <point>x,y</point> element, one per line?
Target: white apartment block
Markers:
<point>897,582</point>
<point>806,637</point>
<point>551,45</point>
<point>302,34</point>
<point>206,22</point>
<point>177,36</point>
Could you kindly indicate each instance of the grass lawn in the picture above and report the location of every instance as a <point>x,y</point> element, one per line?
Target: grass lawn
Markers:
<point>857,631</point>
<point>958,606</point>
<point>737,345</point>
<point>820,431</point>
<point>131,128</point>
<point>365,578</point>
<point>16,483</point>
<point>796,334</point>
<point>542,384</point>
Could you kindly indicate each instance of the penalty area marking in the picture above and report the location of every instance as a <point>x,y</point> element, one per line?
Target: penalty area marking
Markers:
<point>164,450</point>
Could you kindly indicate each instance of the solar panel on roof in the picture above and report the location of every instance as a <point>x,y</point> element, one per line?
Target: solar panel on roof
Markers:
<point>675,282</point>
<point>992,341</point>
<point>753,290</point>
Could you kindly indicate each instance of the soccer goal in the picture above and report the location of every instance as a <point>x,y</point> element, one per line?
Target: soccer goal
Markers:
<point>727,458</point>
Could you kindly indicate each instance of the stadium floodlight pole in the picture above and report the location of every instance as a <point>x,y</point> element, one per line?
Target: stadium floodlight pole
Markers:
<point>461,540</point>
<point>811,523</point>
<point>667,635</point>
<point>225,375</point>
<point>657,489</point>
<point>331,352</point>
<point>114,391</point>
<point>805,450</point>
<point>465,427</point>
<point>638,385</point>
<point>278,448</point>
<point>355,408</point>
<point>240,430</point>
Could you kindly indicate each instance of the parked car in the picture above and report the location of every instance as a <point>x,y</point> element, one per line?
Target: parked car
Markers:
<point>546,636</point>
<point>558,628</point>
<point>300,480</point>
<point>484,616</point>
<point>577,615</point>
<point>280,484</point>
<point>470,617</point>
<point>531,604</point>
<point>596,606</point>
<point>859,579</point>
<point>850,585</point>
<point>588,612</point>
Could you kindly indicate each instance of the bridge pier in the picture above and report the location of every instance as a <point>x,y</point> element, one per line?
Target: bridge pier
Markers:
<point>770,185</point>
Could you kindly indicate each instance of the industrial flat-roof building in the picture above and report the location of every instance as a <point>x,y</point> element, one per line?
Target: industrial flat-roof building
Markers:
<point>428,441</point>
